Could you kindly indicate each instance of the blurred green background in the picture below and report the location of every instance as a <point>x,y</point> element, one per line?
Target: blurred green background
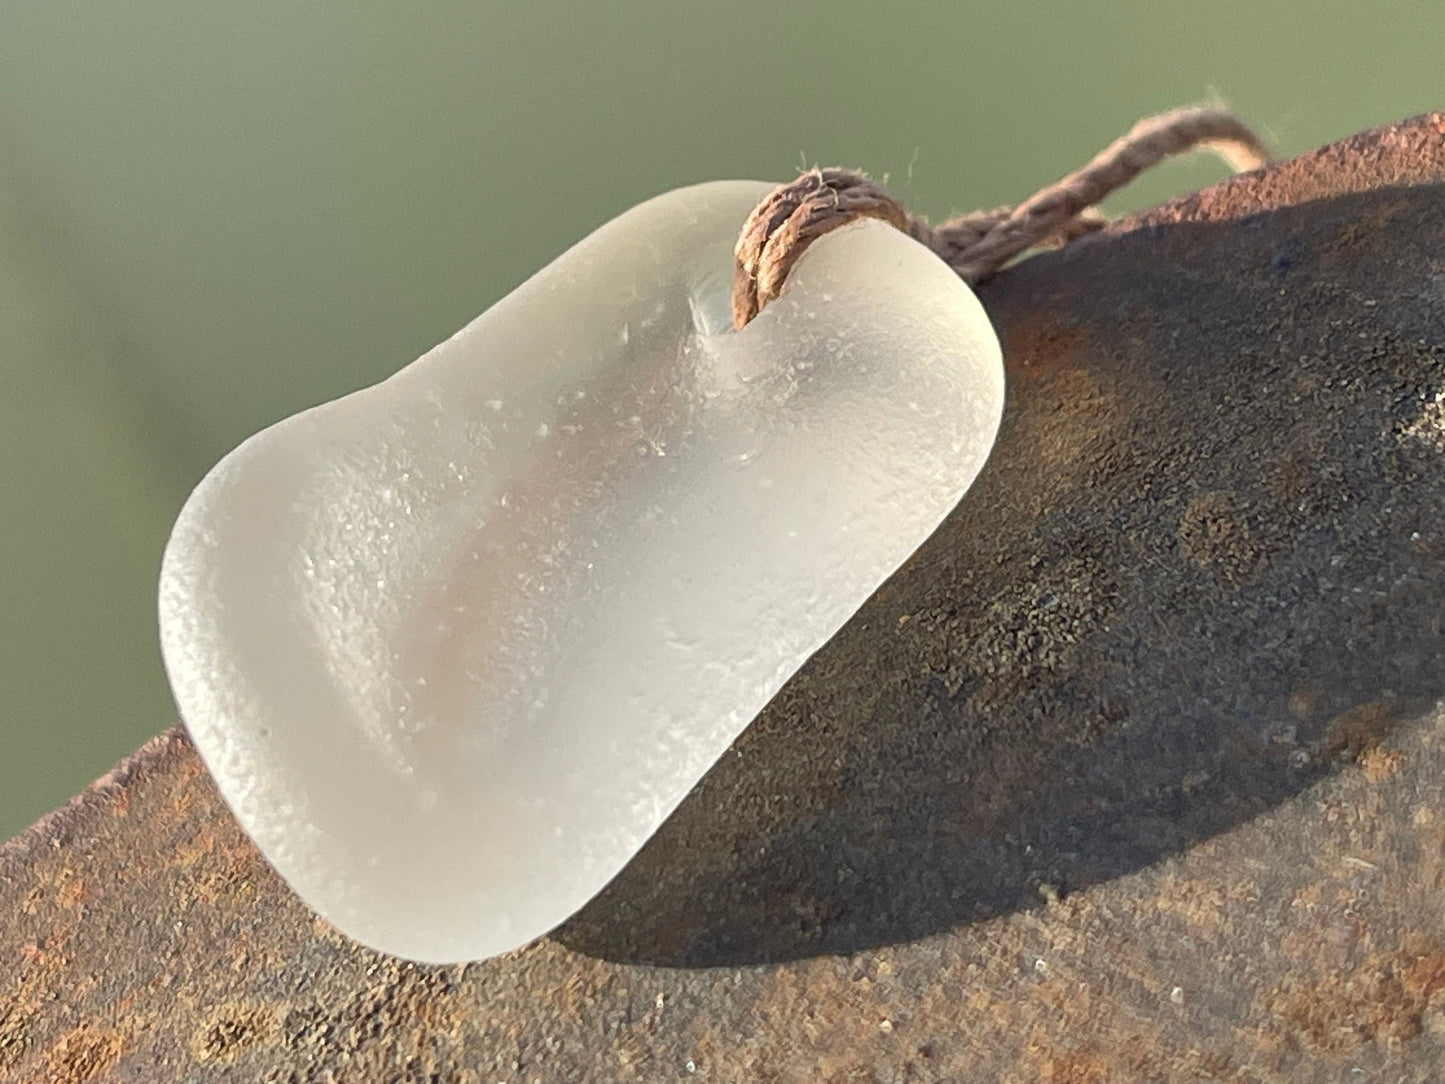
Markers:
<point>213,215</point>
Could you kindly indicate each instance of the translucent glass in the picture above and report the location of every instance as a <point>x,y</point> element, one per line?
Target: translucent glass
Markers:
<point>455,645</point>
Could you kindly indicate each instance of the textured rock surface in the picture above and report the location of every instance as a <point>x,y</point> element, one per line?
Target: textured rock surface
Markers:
<point>1135,772</point>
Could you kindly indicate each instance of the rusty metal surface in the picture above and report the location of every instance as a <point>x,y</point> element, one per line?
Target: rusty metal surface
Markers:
<point>1136,772</point>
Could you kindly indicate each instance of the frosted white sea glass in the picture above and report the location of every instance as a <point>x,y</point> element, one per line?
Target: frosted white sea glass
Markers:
<point>454,646</point>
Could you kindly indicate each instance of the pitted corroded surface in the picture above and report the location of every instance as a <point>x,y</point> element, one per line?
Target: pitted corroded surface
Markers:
<point>1136,772</point>
<point>1395,156</point>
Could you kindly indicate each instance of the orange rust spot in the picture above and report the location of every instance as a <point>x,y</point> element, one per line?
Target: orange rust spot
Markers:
<point>1040,344</point>
<point>83,1054</point>
<point>1068,423</point>
<point>120,802</point>
<point>1424,976</point>
<point>1199,902</point>
<point>1383,1000</point>
<point>14,1031</point>
<point>232,1028</point>
<point>1354,734</point>
<point>1380,764</point>
<point>72,893</point>
<point>1075,1067</point>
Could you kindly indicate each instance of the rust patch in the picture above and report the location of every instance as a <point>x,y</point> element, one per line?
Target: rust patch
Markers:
<point>962,748</point>
<point>1041,345</point>
<point>1056,405</point>
<point>404,1011</point>
<point>232,1028</point>
<point>1384,1000</point>
<point>40,971</point>
<point>14,1031</point>
<point>1061,395</point>
<point>1214,533</point>
<point>1355,735</point>
<point>1074,1067</point>
<point>83,1054</point>
<point>1380,763</point>
<point>72,893</point>
<point>1198,902</point>
<point>1408,153</point>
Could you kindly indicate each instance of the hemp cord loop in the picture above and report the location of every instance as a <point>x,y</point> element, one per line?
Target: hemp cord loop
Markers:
<point>975,245</point>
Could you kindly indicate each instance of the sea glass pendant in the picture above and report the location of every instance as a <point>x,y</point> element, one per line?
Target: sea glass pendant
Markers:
<point>453,646</point>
